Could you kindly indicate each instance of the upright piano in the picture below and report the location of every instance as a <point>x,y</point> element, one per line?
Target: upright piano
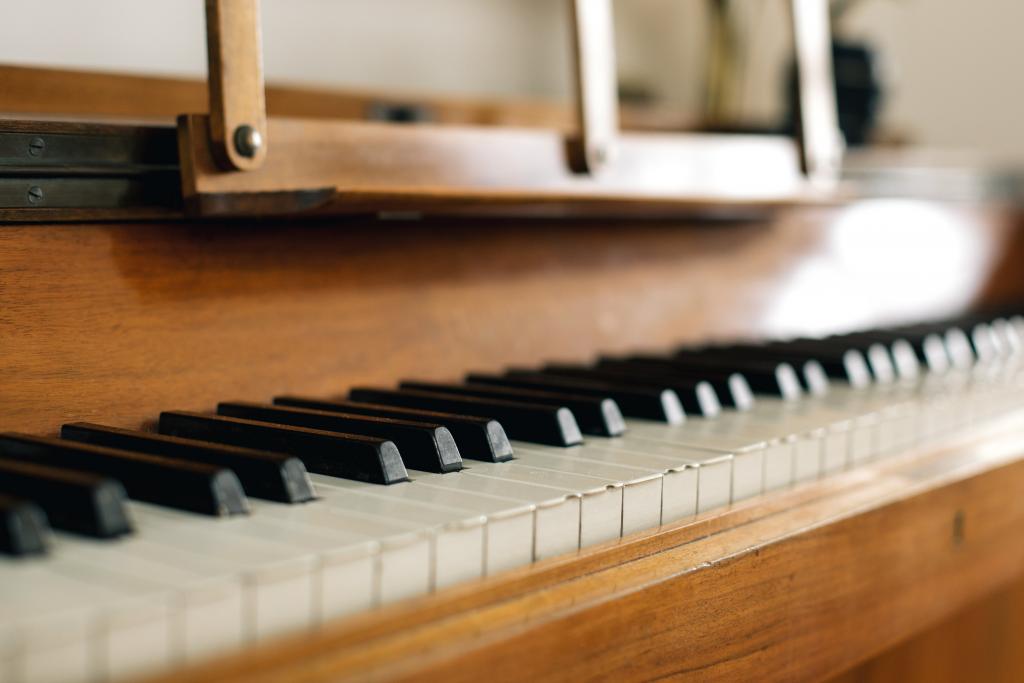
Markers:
<point>292,394</point>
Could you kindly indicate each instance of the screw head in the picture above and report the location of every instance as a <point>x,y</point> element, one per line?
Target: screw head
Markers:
<point>36,147</point>
<point>35,195</point>
<point>248,141</point>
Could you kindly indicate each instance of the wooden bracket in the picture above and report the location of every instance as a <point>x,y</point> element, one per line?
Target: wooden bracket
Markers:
<point>818,133</point>
<point>597,101</point>
<point>238,113</point>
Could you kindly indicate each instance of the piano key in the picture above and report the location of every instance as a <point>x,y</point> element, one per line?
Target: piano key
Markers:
<point>64,625</point>
<point>701,392</point>
<point>556,510</point>
<point>478,438</point>
<point>754,455</point>
<point>508,524</point>
<point>46,624</point>
<point>634,401</point>
<point>985,343</point>
<point>809,372</point>
<point>600,517</point>
<point>204,600</point>
<point>764,377</point>
<point>185,485</point>
<point>24,529</point>
<point>722,476</point>
<point>1009,337</point>
<point>641,487</point>
<point>75,501</point>
<point>285,567</point>
<point>274,476</point>
<point>599,416</point>
<point>423,445</point>
<point>350,575</point>
<point>697,397</point>
<point>904,357</point>
<point>679,477</point>
<point>458,535</point>
<point>344,455</point>
<point>846,364</point>
<point>555,426</point>
<point>509,527</point>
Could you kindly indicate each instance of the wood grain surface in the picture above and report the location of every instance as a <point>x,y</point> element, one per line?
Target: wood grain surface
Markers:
<point>115,322</point>
<point>439,168</point>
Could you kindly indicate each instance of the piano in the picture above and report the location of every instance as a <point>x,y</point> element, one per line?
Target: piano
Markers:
<point>447,401</point>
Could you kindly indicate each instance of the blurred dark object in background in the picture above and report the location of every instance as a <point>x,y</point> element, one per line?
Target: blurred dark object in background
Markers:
<point>859,91</point>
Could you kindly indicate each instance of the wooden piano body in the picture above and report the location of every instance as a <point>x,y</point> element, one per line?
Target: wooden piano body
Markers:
<point>115,321</point>
<point>905,569</point>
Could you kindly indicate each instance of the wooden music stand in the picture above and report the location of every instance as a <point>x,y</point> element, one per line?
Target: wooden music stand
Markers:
<point>236,160</point>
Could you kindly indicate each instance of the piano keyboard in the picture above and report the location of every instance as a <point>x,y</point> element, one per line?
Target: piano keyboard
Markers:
<point>264,519</point>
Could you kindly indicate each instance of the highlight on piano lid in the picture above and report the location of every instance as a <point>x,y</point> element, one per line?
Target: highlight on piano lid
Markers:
<point>511,340</point>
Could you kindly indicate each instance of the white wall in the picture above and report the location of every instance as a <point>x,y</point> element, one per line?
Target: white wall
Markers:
<point>955,65</point>
<point>454,46</point>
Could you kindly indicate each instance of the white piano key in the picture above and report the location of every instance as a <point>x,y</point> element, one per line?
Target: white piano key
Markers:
<point>458,536</point>
<point>206,601</point>
<point>49,623</point>
<point>778,463</point>
<point>750,458</point>
<point>679,474</point>
<point>746,462</point>
<point>641,487</point>
<point>556,526</point>
<point>835,449</point>
<point>807,457</point>
<point>396,561</point>
<point>509,524</point>
<point>278,565</point>
<point>600,502</point>
<point>135,631</point>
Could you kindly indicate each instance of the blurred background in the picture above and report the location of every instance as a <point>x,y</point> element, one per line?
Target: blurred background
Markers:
<point>927,73</point>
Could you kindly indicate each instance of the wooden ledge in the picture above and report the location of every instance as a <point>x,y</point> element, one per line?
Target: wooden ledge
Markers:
<point>440,169</point>
<point>800,584</point>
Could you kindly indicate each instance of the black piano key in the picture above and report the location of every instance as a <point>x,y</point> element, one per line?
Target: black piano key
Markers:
<point>810,372</point>
<point>349,456</point>
<point>728,388</point>
<point>173,483</point>
<point>770,379</point>
<point>264,474</point>
<point>478,438</point>
<point>878,353</point>
<point>553,425</point>
<point>23,527</point>
<point>648,403</point>
<point>79,502</point>
<point>847,365</point>
<point>424,446</point>
<point>902,353</point>
<point>767,377</point>
<point>596,416</point>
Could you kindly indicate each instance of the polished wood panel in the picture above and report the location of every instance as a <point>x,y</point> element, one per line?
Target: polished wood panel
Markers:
<point>798,586</point>
<point>979,643</point>
<point>63,92</point>
<point>353,166</point>
<point>115,322</point>
<point>70,93</point>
